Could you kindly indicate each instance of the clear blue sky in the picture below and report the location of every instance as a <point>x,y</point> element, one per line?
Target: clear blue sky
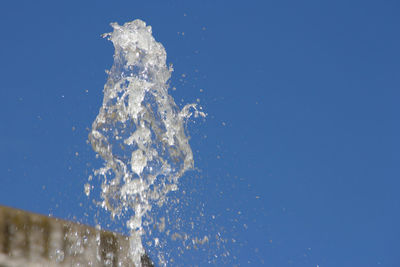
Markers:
<point>300,163</point>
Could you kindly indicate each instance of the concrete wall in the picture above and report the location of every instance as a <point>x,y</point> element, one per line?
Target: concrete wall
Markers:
<point>28,239</point>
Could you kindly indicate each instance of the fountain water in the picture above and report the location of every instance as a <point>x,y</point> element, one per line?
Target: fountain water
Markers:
<point>139,131</point>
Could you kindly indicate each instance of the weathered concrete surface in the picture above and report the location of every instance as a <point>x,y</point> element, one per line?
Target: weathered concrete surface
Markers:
<point>30,240</point>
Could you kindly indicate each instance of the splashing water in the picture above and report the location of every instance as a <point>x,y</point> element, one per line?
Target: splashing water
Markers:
<point>139,131</point>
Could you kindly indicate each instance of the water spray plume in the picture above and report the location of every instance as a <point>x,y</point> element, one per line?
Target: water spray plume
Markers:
<point>139,131</point>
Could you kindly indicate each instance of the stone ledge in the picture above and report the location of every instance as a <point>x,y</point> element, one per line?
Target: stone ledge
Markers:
<point>28,239</point>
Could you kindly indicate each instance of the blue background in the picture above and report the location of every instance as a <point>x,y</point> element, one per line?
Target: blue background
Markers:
<point>298,159</point>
